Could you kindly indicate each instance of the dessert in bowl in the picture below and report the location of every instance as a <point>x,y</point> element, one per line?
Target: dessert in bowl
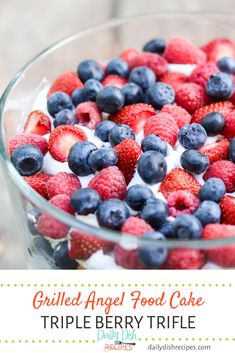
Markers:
<point>133,157</point>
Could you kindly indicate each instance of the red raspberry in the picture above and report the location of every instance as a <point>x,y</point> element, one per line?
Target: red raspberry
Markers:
<point>219,48</point>
<point>185,259</point>
<point>181,116</point>
<point>83,245</point>
<point>224,170</point>
<point>66,82</point>
<point>154,61</point>
<point>202,73</point>
<point>28,139</point>
<point>223,255</point>
<point>216,151</point>
<point>180,51</point>
<point>182,202</point>
<point>129,55</point>
<point>190,96</point>
<point>114,80</point>
<point>224,108</point>
<point>179,179</point>
<point>88,115</point>
<point>229,128</point>
<point>128,152</point>
<point>174,79</point>
<point>39,183</point>
<point>37,123</point>
<point>134,115</point>
<point>109,183</point>
<point>63,183</point>
<point>164,126</point>
<point>227,206</point>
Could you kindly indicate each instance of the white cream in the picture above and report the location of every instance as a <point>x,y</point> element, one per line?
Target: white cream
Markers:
<point>185,69</point>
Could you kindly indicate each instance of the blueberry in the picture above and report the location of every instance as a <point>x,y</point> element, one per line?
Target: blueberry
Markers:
<point>65,117</point>
<point>27,159</point>
<point>155,46</point>
<point>154,212</point>
<point>143,77</point>
<point>119,133</point>
<point>232,150</point>
<point>78,157</point>
<point>220,86</point>
<point>118,67</point>
<point>137,195</point>
<point>112,214</point>
<point>90,69</point>
<point>208,212</point>
<point>152,167</point>
<point>32,219</point>
<point>132,93</point>
<point>102,158</point>
<point>213,123</point>
<point>194,161</point>
<point>192,136</point>
<point>160,94</point>
<point>78,96</point>
<point>57,102</point>
<point>61,257</point>
<point>103,129</point>
<point>226,64</point>
<point>85,201</point>
<point>154,143</point>
<point>213,190</point>
<point>167,230</point>
<point>187,227</point>
<point>153,256</point>
<point>91,88</point>
<point>110,99</point>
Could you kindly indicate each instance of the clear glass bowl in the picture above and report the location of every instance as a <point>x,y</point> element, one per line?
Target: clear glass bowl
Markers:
<point>100,43</point>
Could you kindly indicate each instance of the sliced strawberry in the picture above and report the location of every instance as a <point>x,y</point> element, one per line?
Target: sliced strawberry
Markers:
<point>227,206</point>
<point>223,108</point>
<point>28,139</point>
<point>62,139</point>
<point>39,183</point>
<point>134,115</point>
<point>229,128</point>
<point>38,123</point>
<point>219,48</point>
<point>114,80</point>
<point>216,151</point>
<point>66,82</point>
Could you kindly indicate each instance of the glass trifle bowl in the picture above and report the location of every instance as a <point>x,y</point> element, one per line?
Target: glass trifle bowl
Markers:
<point>28,91</point>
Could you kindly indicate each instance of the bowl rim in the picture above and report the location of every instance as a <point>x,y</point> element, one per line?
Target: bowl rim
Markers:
<point>38,201</point>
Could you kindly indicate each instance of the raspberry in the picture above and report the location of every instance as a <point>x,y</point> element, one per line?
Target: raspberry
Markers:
<point>66,82</point>
<point>174,79</point>
<point>181,116</point>
<point>180,51</point>
<point>164,126</point>
<point>219,48</point>
<point>190,96</point>
<point>184,259</point>
<point>37,123</point>
<point>154,61</point>
<point>109,183</point>
<point>114,80</point>
<point>182,202</point>
<point>224,170</point>
<point>223,108</point>
<point>63,183</point>
<point>202,73</point>
<point>39,183</point>
<point>136,226</point>
<point>28,139</point>
<point>128,55</point>
<point>216,151</point>
<point>229,128</point>
<point>88,115</point>
<point>227,206</point>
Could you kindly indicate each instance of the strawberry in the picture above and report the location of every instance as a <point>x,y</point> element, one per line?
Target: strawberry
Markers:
<point>128,55</point>
<point>62,139</point>
<point>224,170</point>
<point>83,245</point>
<point>181,116</point>
<point>229,128</point>
<point>182,202</point>
<point>184,259</point>
<point>66,82</point>
<point>180,51</point>
<point>222,255</point>
<point>134,115</point>
<point>88,114</point>
<point>109,183</point>
<point>219,48</point>
<point>27,139</point>
<point>37,123</point>
<point>39,183</point>
<point>174,79</point>
<point>128,152</point>
<point>179,179</point>
<point>201,74</point>
<point>114,80</point>
<point>154,61</point>
<point>224,108</point>
<point>190,96</point>
<point>62,183</point>
<point>164,126</point>
<point>227,206</point>
<point>216,151</point>
<point>129,258</point>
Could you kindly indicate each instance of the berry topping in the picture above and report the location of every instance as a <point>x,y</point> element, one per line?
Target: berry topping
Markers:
<point>137,195</point>
<point>153,256</point>
<point>213,189</point>
<point>37,123</point>
<point>28,139</point>
<point>90,69</point>
<point>152,167</point>
<point>91,88</point>
<point>184,259</point>
<point>192,136</point>
<point>219,48</point>
<point>220,86</point>
<point>187,227</point>
<point>174,79</point>
<point>103,129</point>
<point>153,61</point>
<point>201,74</point>
<point>181,116</point>
<point>78,158</point>
<point>155,212</point>
<point>109,183</point>
<point>118,67</point>
<point>154,143</point>
<point>112,214</point>
<point>88,115</point>
<point>216,151</point>
<point>208,212</point>
<point>57,102</point>
<point>65,117</point>
<point>156,46</point>
<point>110,99</point>
<point>62,258</point>
<point>39,183</point>
<point>181,202</point>
<point>190,96</point>
<point>120,133</point>
<point>62,183</point>
<point>85,201</point>
<point>27,160</point>
<point>115,81</point>
<point>132,93</point>
<point>213,123</point>
<point>226,64</point>
<point>227,206</point>
<point>194,161</point>
<point>102,158</point>
<point>142,76</point>
<point>220,107</point>
<point>224,170</point>
<point>159,94</point>
<point>66,82</point>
